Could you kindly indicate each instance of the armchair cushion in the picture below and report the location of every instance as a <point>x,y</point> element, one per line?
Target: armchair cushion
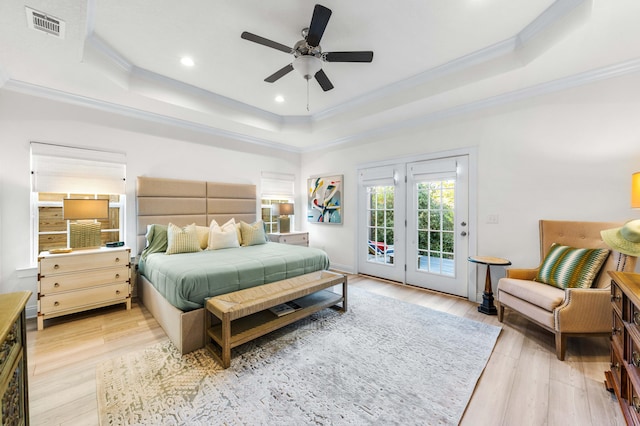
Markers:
<point>569,267</point>
<point>539,294</point>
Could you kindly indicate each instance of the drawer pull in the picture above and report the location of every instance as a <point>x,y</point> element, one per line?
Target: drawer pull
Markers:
<point>56,266</point>
<point>56,285</point>
<point>616,297</point>
<point>118,292</point>
<point>117,276</point>
<point>635,359</point>
<point>117,259</point>
<point>636,404</point>
<point>615,330</point>
<point>636,318</point>
<point>615,366</point>
<point>56,303</point>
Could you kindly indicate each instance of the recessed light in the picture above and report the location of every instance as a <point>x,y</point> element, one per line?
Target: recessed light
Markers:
<point>280,98</point>
<point>187,61</point>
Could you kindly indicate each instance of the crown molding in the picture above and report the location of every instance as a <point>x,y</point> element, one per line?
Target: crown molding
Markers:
<point>508,48</point>
<point>70,98</point>
<point>581,79</point>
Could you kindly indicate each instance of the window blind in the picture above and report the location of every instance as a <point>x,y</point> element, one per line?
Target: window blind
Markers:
<point>277,185</point>
<point>64,169</point>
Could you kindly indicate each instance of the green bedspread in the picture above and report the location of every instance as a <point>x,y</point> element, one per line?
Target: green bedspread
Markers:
<point>185,280</point>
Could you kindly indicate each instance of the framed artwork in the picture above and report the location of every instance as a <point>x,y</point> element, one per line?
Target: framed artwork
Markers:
<point>325,199</point>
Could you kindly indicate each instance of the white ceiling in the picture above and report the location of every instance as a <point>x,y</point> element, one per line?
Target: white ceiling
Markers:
<point>431,58</point>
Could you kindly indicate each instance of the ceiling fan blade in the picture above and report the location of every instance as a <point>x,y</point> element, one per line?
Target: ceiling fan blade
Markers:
<point>319,22</point>
<point>281,72</point>
<point>323,80</point>
<point>266,42</point>
<point>364,56</point>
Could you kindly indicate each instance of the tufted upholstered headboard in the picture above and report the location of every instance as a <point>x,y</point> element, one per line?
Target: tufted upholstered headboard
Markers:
<point>182,202</point>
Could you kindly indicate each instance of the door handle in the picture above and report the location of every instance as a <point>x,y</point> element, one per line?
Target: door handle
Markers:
<point>463,233</point>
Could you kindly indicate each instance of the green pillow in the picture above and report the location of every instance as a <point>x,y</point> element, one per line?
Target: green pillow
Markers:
<point>569,267</point>
<point>156,240</point>
<point>253,234</point>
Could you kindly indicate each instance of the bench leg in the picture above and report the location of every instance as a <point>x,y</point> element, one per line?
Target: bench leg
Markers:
<point>344,294</point>
<point>226,341</point>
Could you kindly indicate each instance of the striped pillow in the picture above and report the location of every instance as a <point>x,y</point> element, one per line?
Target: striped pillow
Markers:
<point>569,267</point>
<point>182,240</point>
<point>253,234</point>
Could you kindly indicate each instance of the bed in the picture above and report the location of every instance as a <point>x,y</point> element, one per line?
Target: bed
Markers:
<point>177,306</point>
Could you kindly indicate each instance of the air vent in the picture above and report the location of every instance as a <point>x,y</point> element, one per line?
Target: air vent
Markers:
<point>40,21</point>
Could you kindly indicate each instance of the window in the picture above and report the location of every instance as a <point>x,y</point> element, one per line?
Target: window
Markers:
<point>275,188</point>
<point>53,231</point>
<point>60,172</point>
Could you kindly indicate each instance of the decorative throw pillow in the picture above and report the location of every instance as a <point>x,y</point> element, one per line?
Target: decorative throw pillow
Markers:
<point>156,240</point>
<point>182,240</point>
<point>203,236</point>
<point>223,238</point>
<point>229,225</point>
<point>253,234</point>
<point>569,267</point>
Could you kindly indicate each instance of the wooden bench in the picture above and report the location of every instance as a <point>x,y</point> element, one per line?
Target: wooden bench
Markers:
<point>239,317</point>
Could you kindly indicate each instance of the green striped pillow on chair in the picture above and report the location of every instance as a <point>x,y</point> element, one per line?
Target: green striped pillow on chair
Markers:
<point>570,267</point>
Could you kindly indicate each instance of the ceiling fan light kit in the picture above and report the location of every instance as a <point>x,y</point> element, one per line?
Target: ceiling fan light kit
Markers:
<point>308,55</point>
<point>307,66</point>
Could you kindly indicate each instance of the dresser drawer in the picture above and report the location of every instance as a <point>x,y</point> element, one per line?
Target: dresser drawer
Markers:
<point>11,346</point>
<point>81,298</point>
<point>74,281</point>
<point>617,298</point>
<point>73,263</point>
<point>618,331</point>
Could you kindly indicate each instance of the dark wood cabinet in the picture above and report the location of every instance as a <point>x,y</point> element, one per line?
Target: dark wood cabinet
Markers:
<point>13,359</point>
<point>624,376</point>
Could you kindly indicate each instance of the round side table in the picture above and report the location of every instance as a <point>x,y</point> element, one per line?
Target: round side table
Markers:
<point>487,306</point>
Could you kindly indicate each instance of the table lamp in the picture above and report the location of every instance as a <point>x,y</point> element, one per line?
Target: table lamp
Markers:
<point>283,210</point>
<point>85,230</point>
<point>635,190</point>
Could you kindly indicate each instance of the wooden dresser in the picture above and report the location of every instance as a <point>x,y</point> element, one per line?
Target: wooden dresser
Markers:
<point>82,280</point>
<point>624,376</point>
<point>13,359</point>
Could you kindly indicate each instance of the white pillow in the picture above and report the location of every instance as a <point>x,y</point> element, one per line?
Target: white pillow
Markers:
<point>214,237</point>
<point>223,238</point>
<point>182,240</point>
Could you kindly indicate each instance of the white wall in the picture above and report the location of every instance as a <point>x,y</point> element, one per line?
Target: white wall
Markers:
<point>565,156</point>
<point>569,155</point>
<point>152,150</point>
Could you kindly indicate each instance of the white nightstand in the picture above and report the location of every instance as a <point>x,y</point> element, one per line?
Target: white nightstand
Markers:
<point>82,280</point>
<point>293,238</point>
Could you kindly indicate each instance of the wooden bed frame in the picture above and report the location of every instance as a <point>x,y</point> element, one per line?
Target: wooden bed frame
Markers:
<point>183,202</point>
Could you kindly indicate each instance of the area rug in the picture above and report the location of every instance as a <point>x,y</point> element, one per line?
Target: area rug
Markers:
<point>383,362</point>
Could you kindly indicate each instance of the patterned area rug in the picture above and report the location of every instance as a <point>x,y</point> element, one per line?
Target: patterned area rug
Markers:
<point>382,362</point>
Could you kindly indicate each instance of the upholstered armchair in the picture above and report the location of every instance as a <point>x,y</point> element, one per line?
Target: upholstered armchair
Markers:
<point>565,311</point>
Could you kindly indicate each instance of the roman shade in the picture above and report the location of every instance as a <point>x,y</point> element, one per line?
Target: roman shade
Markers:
<point>65,169</point>
<point>277,185</point>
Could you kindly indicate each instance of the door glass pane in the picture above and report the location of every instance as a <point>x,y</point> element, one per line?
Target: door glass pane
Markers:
<point>435,201</point>
<point>381,222</point>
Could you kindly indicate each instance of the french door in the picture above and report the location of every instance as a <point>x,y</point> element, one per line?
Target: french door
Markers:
<point>437,225</point>
<point>413,223</point>
<point>381,218</point>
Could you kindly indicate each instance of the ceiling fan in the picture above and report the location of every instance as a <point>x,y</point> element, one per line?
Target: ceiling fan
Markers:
<point>308,56</point>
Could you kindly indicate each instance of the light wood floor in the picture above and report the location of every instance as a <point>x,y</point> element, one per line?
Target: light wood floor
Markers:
<point>523,383</point>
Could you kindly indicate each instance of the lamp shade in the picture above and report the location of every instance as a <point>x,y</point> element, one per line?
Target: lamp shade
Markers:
<point>307,65</point>
<point>83,209</point>
<point>283,209</point>
<point>635,190</point>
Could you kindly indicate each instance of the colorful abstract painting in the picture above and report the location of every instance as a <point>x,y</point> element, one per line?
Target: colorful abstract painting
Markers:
<point>325,199</point>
